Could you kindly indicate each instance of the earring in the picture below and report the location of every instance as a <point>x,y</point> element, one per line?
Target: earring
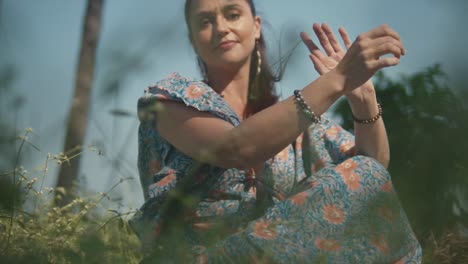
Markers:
<point>259,61</point>
<point>253,89</point>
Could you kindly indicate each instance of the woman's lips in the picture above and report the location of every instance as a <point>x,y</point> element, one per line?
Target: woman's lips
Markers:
<point>227,44</point>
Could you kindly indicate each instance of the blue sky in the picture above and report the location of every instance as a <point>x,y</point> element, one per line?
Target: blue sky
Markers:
<point>41,39</point>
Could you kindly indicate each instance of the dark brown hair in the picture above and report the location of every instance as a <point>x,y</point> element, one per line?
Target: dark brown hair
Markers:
<point>262,92</point>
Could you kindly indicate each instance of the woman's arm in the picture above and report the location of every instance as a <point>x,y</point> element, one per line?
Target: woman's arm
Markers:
<point>260,137</point>
<point>370,139</point>
<point>209,139</point>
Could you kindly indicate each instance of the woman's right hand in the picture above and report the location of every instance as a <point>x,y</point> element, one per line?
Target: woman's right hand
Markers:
<point>367,55</point>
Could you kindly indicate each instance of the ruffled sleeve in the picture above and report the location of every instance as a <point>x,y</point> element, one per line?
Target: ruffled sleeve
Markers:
<point>158,161</point>
<point>190,92</point>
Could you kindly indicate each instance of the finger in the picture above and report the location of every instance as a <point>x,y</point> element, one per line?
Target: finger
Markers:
<point>383,63</point>
<point>389,40</point>
<point>313,48</point>
<point>308,42</point>
<point>344,35</point>
<point>323,39</point>
<point>384,49</point>
<point>381,31</point>
<point>331,37</point>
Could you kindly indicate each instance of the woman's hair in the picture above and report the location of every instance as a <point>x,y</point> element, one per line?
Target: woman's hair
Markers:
<point>262,92</point>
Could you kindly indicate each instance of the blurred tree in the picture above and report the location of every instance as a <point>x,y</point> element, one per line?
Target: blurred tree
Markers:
<point>78,117</point>
<point>9,195</point>
<point>7,98</point>
<point>427,127</point>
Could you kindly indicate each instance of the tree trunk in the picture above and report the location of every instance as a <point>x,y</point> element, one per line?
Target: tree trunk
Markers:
<point>78,116</point>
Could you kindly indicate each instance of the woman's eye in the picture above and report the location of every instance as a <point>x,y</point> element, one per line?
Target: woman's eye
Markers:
<point>233,16</point>
<point>205,22</point>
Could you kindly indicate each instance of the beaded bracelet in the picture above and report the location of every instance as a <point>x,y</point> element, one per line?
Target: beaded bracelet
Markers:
<point>305,108</point>
<point>371,120</point>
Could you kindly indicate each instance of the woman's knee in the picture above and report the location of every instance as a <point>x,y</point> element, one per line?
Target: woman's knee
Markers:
<point>369,161</point>
<point>369,165</point>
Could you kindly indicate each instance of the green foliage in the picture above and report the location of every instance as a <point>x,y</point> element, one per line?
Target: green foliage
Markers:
<point>71,234</point>
<point>33,230</point>
<point>427,126</point>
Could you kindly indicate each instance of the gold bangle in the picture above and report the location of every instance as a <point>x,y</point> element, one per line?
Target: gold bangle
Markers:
<point>371,120</point>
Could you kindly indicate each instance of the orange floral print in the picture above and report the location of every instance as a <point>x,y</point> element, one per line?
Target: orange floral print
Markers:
<point>333,214</point>
<point>332,132</point>
<point>263,229</point>
<point>166,180</point>
<point>327,244</point>
<point>381,243</point>
<point>347,166</point>
<point>348,147</point>
<point>194,92</point>
<point>353,181</point>
<point>387,187</point>
<point>299,198</point>
<point>154,167</point>
<point>347,171</point>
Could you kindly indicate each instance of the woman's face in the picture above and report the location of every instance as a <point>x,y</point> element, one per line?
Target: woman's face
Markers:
<point>223,32</point>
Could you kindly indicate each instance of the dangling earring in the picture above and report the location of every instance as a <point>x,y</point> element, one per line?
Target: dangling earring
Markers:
<point>259,61</point>
<point>203,70</point>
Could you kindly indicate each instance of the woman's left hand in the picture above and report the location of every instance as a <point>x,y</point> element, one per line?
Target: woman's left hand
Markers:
<point>334,52</point>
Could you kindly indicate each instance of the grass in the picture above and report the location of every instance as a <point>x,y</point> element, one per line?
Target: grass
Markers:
<point>34,230</point>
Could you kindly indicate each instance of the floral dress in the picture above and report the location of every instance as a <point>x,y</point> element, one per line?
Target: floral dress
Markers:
<point>315,202</point>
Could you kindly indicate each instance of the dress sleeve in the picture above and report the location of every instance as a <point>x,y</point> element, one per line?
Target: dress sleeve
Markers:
<point>158,160</point>
<point>190,92</point>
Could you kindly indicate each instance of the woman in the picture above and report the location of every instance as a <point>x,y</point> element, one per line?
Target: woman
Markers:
<point>261,180</point>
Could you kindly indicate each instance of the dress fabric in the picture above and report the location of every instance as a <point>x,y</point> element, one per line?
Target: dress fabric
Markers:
<point>328,205</point>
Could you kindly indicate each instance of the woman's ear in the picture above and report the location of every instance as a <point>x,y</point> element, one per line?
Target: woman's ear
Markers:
<point>258,26</point>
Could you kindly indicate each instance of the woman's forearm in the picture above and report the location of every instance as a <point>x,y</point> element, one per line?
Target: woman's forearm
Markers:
<point>371,139</point>
<point>264,134</point>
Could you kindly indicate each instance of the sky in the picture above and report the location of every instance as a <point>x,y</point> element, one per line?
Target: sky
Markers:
<point>142,41</point>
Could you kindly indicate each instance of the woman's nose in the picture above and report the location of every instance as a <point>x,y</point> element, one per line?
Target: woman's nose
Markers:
<point>221,26</point>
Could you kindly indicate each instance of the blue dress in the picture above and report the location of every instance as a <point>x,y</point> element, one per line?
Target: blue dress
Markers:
<point>315,200</point>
